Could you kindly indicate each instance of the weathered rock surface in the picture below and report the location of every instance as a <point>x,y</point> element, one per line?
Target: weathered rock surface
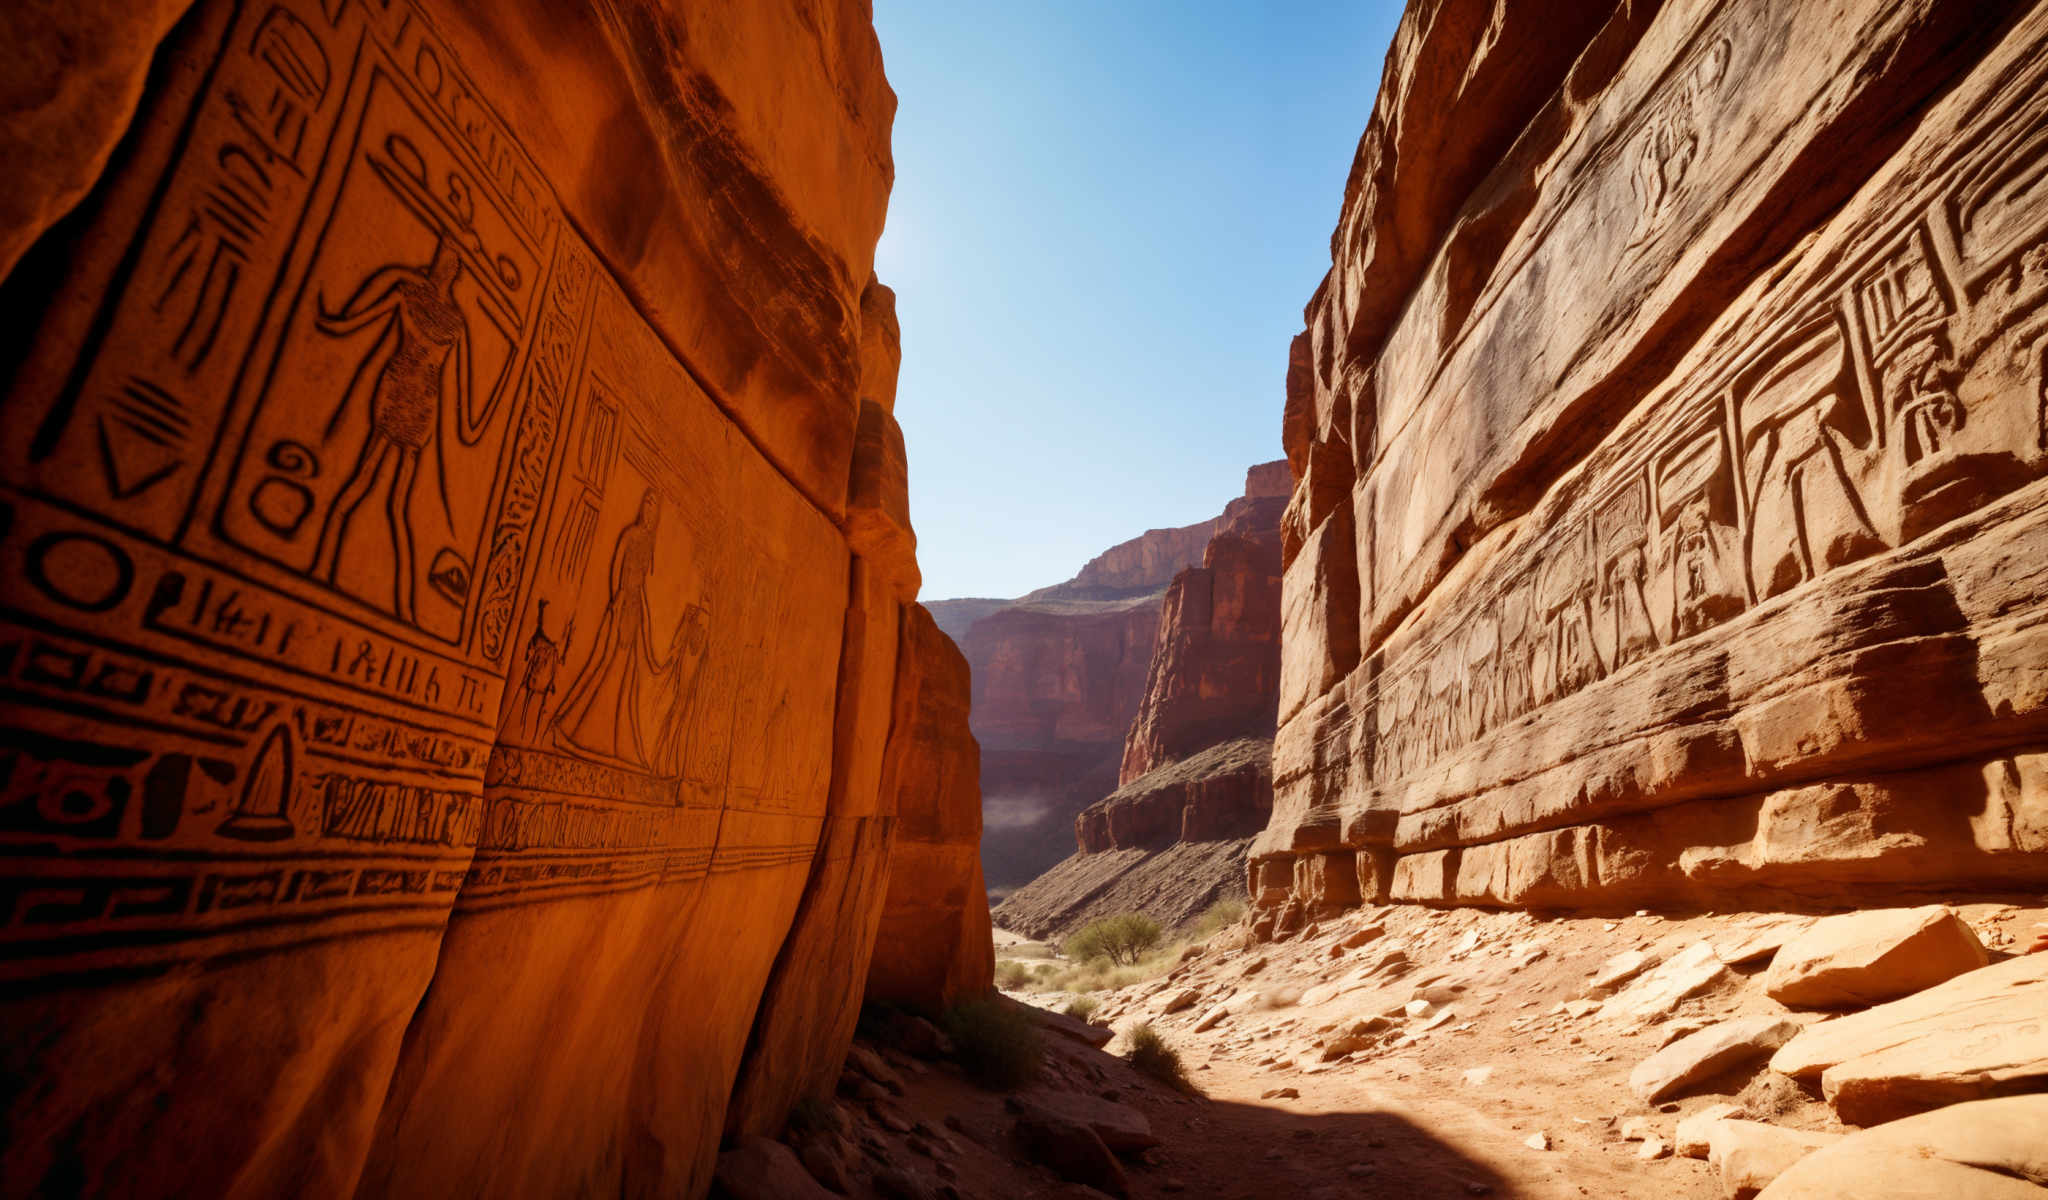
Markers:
<point>1750,1154</point>
<point>455,547</point>
<point>1858,959</point>
<point>1701,1056</point>
<point>1978,1035</point>
<point>1668,440</point>
<point>1215,671</point>
<point>758,1169</point>
<point>1993,1149</point>
<point>932,946</point>
<point>1219,793</point>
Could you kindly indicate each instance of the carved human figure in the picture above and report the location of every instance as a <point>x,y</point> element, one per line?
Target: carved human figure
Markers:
<point>1929,414</point>
<point>600,713</point>
<point>426,346</point>
<point>1702,595</point>
<point>543,661</point>
<point>679,685</point>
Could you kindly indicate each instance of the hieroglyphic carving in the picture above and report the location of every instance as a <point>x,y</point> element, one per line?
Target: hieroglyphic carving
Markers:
<point>338,547</point>
<point>1893,387</point>
<point>1664,151</point>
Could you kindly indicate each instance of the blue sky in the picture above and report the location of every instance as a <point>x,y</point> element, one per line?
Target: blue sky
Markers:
<point>1107,218</point>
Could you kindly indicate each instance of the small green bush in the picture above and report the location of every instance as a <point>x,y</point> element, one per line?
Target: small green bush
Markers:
<point>1151,1054</point>
<point>1217,917</point>
<point>1083,1007</point>
<point>1123,939</point>
<point>996,1042</point>
<point>1011,976</point>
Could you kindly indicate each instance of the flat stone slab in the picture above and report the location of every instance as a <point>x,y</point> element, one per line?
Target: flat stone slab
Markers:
<point>1982,1150</point>
<point>1703,1055</point>
<point>1981,1034</point>
<point>1862,958</point>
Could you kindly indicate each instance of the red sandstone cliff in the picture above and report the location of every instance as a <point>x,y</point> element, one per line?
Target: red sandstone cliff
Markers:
<point>933,945</point>
<point>1666,432</point>
<point>453,500</point>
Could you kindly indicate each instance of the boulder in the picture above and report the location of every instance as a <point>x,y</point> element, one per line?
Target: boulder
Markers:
<point>1978,1035</point>
<point>1750,1154</point>
<point>1072,1151</point>
<point>1085,1032</point>
<point>1982,1149</point>
<point>1863,958</point>
<point>759,1169</point>
<point>1691,1137</point>
<point>1703,1055</point>
<point>1122,1128</point>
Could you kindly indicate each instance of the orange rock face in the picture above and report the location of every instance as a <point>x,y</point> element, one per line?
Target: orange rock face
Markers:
<point>455,554</point>
<point>1668,444</point>
<point>934,945</point>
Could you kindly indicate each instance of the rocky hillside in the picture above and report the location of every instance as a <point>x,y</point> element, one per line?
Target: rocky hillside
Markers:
<point>1668,437</point>
<point>463,685</point>
<point>1061,674</point>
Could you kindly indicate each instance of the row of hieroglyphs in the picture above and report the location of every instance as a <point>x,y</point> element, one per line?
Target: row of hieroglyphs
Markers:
<point>368,526</point>
<point>1893,391</point>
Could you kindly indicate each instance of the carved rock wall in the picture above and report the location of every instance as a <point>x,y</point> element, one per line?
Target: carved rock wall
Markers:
<point>456,559</point>
<point>1671,535</point>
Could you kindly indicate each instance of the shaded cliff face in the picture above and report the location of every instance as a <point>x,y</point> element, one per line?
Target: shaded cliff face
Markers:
<point>933,946</point>
<point>1667,452</point>
<point>455,548</point>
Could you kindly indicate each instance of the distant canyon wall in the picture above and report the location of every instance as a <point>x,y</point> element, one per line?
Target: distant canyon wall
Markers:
<point>1057,677</point>
<point>1669,439</point>
<point>462,678</point>
<point>1194,779</point>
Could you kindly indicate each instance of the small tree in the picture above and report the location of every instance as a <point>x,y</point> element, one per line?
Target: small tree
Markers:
<point>1122,939</point>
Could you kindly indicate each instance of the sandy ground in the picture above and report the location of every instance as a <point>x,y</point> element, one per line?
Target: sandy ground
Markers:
<point>1447,1109</point>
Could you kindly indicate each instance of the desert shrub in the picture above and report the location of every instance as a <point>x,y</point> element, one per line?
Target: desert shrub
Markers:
<point>995,1041</point>
<point>1123,939</point>
<point>1012,975</point>
<point>1151,1054</point>
<point>1218,917</point>
<point>1083,1007</point>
